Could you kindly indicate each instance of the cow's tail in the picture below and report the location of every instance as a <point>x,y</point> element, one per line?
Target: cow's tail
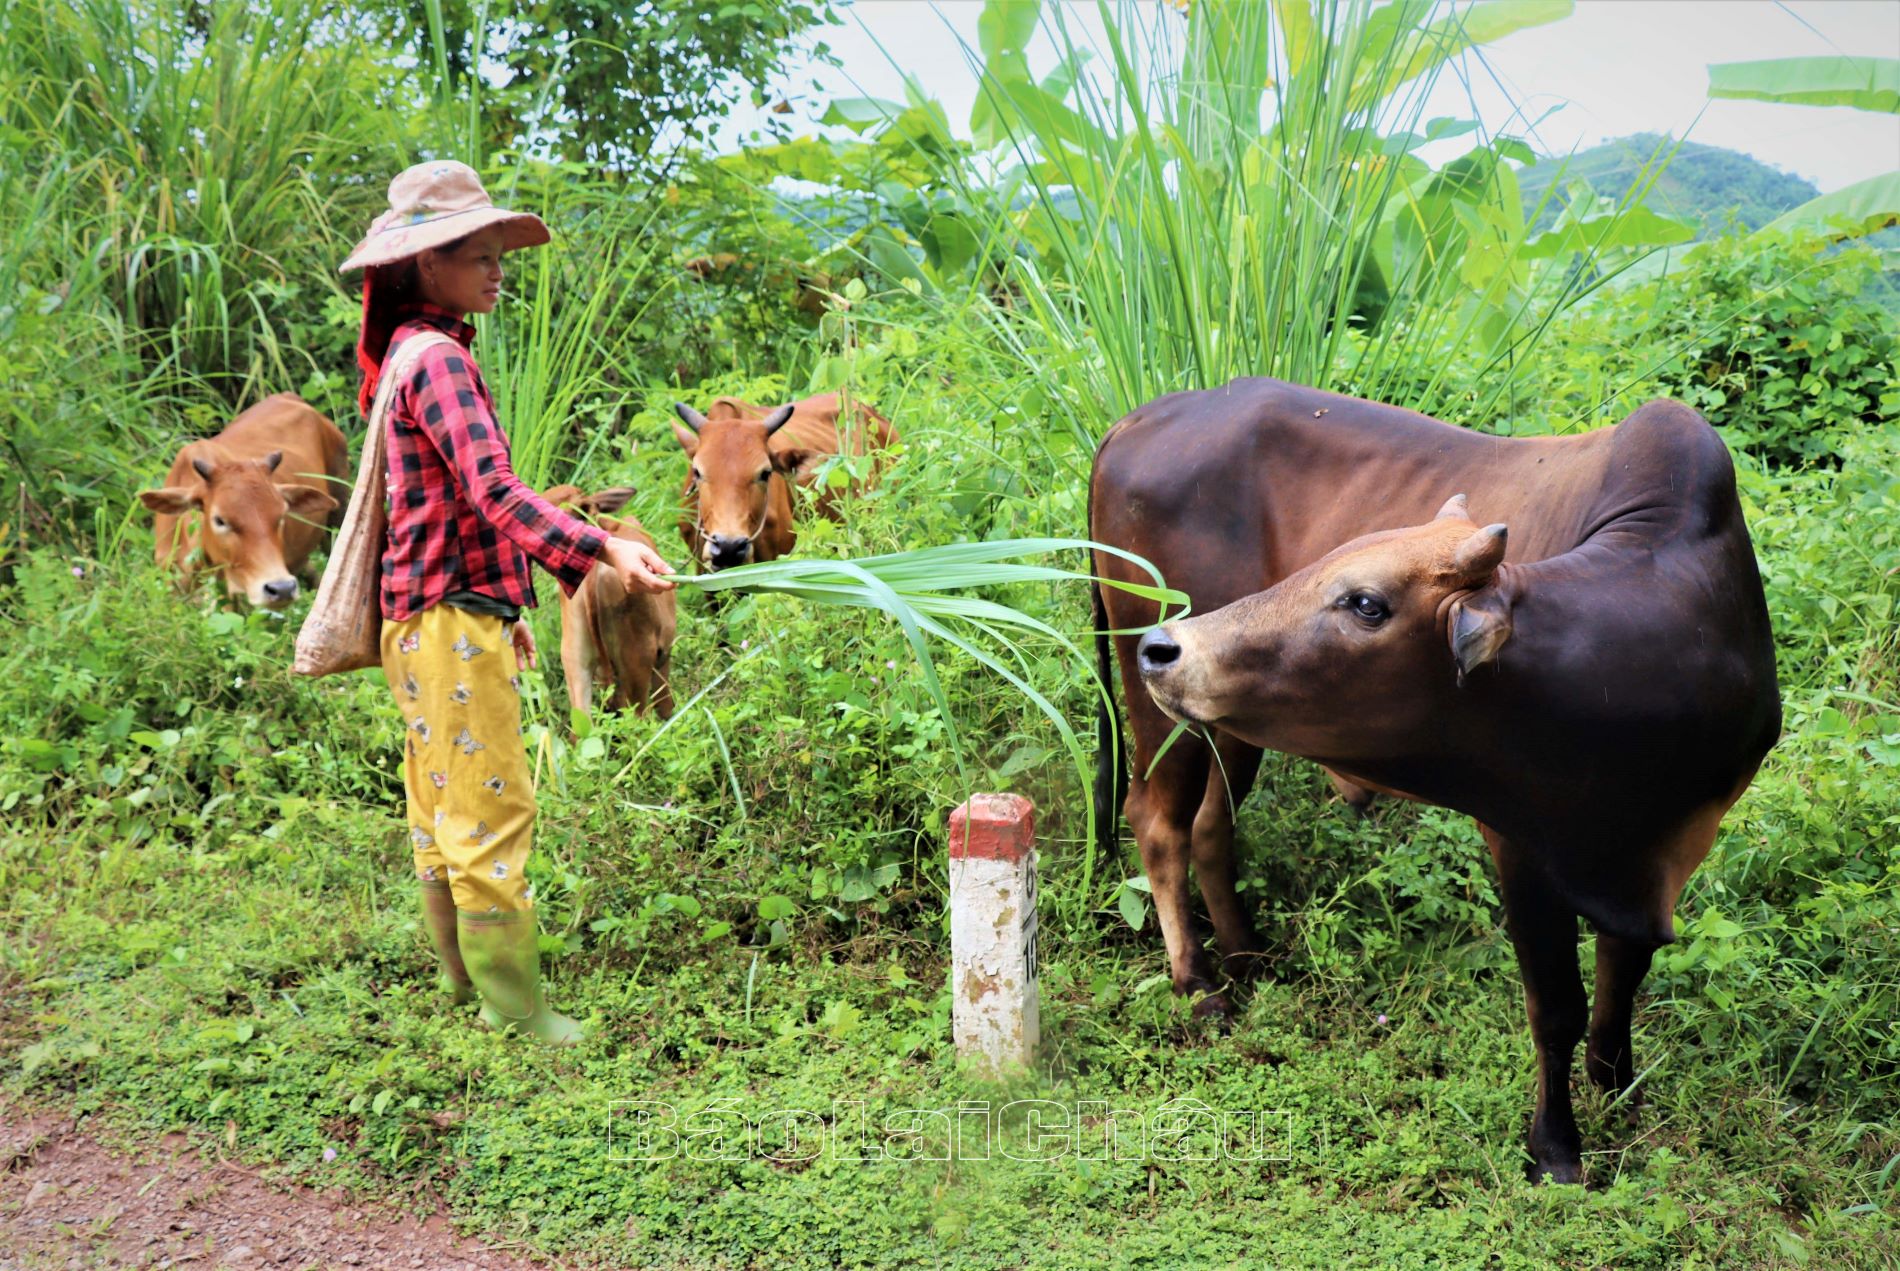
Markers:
<point>1111,773</point>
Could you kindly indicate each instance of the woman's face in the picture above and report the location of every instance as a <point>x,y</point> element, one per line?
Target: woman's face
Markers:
<point>466,279</point>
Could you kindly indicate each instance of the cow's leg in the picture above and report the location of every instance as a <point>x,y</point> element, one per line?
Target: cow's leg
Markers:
<point>577,659</point>
<point>1357,797</point>
<point>1161,810</point>
<point>1228,782</point>
<point>1621,965</point>
<point>630,690</point>
<point>662,699</point>
<point>1544,932</point>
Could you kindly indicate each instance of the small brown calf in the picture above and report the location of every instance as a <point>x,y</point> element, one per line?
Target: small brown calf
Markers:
<point>611,636</point>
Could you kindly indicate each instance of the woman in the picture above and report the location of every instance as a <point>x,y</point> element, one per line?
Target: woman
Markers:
<point>462,528</point>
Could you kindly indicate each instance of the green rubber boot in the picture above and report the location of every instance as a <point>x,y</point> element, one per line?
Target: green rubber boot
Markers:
<point>505,964</point>
<point>438,915</point>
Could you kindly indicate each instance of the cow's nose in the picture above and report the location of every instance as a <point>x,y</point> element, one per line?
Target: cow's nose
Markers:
<point>280,591</point>
<point>1157,652</point>
<point>729,550</point>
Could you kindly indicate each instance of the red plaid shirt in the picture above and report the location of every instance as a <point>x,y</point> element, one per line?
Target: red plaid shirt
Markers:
<point>459,518</point>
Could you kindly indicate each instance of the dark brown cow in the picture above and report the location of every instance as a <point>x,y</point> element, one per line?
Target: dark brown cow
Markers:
<point>252,502</point>
<point>1595,686</point>
<point>737,505</point>
<point>610,635</point>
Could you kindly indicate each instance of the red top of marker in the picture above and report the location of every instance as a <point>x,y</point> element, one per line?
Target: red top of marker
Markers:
<point>998,827</point>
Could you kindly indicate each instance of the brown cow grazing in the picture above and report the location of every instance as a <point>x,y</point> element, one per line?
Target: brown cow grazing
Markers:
<point>251,502</point>
<point>737,504</point>
<point>611,636</point>
<point>1595,687</point>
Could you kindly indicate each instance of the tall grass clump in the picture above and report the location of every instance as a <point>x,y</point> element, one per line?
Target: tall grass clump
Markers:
<point>224,149</point>
<point>1239,192</point>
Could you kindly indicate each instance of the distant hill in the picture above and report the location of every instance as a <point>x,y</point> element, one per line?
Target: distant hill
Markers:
<point>1703,184</point>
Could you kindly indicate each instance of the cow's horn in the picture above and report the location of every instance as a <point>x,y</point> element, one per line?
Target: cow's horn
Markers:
<point>1454,506</point>
<point>776,420</point>
<point>693,418</point>
<point>202,468</point>
<point>1479,556</point>
<point>272,459</point>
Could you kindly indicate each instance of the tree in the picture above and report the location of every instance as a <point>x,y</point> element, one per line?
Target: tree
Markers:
<point>608,80</point>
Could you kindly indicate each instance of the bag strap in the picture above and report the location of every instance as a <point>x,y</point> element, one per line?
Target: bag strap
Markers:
<point>396,370</point>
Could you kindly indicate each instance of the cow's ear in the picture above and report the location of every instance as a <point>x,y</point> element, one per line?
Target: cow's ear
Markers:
<point>777,419</point>
<point>1478,557</point>
<point>172,500</point>
<point>793,463</point>
<point>689,440</point>
<point>1480,624</point>
<point>612,499</point>
<point>563,495</point>
<point>1455,507</point>
<point>306,501</point>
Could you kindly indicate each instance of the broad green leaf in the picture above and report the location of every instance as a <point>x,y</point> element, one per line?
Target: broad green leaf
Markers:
<point>860,114</point>
<point>1858,210</point>
<point>949,243</point>
<point>890,257</point>
<point>1296,32</point>
<point>1428,49</point>
<point>1133,906</point>
<point>855,887</point>
<point>1637,227</point>
<point>1864,83</point>
<point>1006,26</point>
<point>1061,80</point>
<point>1002,33</point>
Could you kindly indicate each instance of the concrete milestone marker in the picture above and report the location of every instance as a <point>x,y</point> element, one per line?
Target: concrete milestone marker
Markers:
<point>997,1016</point>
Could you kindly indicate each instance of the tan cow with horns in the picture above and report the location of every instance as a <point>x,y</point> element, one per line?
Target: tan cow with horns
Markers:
<point>743,461</point>
<point>251,503</point>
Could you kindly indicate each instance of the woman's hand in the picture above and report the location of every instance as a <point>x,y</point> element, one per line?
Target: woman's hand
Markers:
<point>523,637</point>
<point>639,566</point>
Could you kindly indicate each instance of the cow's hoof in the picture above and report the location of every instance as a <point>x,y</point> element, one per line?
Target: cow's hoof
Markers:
<point>1216,1009</point>
<point>1567,1170</point>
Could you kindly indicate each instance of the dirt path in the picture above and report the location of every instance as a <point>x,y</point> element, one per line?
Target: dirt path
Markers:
<point>67,1202</point>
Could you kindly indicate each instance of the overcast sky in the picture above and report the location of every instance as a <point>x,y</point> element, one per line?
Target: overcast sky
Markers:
<point>1614,67</point>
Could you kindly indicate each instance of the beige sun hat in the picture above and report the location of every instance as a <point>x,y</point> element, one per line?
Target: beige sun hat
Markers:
<point>434,203</point>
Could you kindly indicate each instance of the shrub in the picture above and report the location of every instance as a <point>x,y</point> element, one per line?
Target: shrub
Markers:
<point>1778,344</point>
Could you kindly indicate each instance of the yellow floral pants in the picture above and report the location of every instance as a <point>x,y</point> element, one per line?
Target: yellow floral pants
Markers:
<point>471,801</point>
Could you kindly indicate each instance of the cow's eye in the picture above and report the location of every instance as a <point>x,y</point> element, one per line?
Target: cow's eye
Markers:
<point>219,524</point>
<point>696,475</point>
<point>765,474</point>
<point>1368,609</point>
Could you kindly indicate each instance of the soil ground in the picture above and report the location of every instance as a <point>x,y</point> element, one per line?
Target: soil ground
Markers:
<point>68,1202</point>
